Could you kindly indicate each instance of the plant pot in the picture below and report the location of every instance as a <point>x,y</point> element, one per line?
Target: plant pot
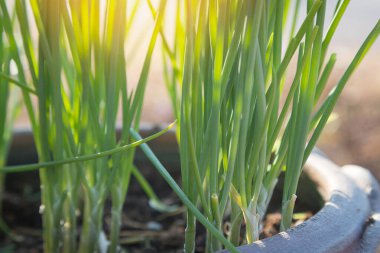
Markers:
<point>348,222</point>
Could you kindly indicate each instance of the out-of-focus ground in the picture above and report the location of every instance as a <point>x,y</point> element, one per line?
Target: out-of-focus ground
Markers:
<point>353,137</point>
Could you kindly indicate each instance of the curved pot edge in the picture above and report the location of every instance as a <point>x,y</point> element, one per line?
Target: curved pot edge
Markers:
<point>370,241</point>
<point>339,225</point>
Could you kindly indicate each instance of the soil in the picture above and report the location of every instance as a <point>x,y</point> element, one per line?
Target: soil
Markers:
<point>144,230</point>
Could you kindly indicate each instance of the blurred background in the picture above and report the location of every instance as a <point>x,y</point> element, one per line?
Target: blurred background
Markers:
<point>354,134</point>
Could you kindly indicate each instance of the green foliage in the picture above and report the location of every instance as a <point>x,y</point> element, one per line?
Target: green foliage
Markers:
<point>239,125</point>
<point>9,109</point>
<point>77,72</point>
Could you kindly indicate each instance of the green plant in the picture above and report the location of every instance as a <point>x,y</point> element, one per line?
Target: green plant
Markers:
<point>236,135</point>
<point>78,75</point>
<point>9,108</point>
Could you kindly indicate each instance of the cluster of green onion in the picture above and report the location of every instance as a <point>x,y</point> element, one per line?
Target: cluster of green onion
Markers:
<point>239,127</point>
<point>77,74</point>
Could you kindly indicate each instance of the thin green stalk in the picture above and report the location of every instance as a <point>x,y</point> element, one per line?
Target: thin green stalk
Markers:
<point>186,166</point>
<point>18,83</point>
<point>165,174</point>
<point>83,158</point>
<point>338,14</point>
